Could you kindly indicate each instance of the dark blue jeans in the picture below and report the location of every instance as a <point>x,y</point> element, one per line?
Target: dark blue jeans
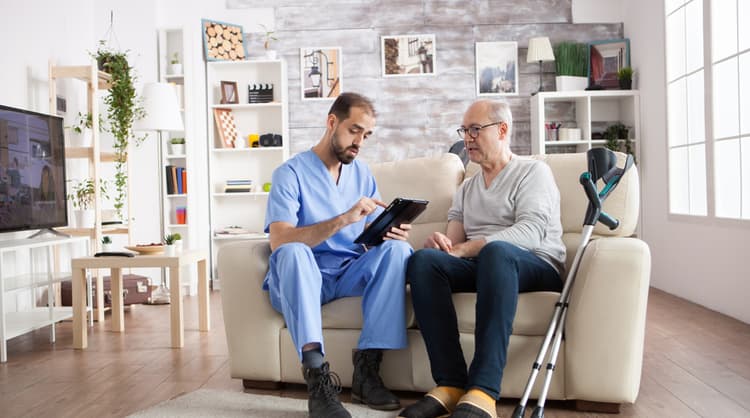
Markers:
<point>497,275</point>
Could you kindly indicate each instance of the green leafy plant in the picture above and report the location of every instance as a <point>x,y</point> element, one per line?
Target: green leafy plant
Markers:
<point>83,193</point>
<point>571,58</point>
<point>170,239</point>
<point>124,108</point>
<point>106,239</point>
<point>86,121</point>
<point>617,136</point>
<point>268,37</point>
<point>625,73</point>
<point>175,58</point>
<point>177,141</point>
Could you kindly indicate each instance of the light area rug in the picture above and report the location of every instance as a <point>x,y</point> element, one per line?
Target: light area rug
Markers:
<point>219,403</point>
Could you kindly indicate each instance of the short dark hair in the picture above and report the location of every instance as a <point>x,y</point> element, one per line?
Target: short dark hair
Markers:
<point>346,101</point>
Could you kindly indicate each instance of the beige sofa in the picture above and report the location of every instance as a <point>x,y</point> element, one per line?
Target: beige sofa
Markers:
<point>600,360</point>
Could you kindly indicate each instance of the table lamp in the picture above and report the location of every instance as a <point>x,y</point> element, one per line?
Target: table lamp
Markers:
<point>162,113</point>
<point>539,50</point>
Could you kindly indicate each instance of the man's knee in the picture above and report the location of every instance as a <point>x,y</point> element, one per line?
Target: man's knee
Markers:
<point>292,252</point>
<point>397,249</point>
<point>420,263</point>
<point>498,250</point>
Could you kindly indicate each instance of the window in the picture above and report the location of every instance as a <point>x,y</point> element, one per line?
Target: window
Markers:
<point>708,111</point>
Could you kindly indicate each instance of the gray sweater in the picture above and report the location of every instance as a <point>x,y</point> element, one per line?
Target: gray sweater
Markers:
<point>521,206</point>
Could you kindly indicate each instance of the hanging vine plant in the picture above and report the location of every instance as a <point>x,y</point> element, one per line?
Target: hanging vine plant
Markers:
<point>124,108</point>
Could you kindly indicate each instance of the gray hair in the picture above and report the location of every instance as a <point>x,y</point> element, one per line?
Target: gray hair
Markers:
<point>500,111</point>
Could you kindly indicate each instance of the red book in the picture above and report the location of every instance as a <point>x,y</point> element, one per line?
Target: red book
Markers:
<point>184,181</point>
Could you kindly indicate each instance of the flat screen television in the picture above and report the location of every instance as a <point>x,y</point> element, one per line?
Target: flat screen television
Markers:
<point>32,171</point>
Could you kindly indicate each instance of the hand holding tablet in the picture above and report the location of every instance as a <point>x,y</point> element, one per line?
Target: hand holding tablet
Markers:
<point>400,211</point>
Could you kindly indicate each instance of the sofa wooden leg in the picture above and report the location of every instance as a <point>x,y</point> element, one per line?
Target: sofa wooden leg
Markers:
<point>261,384</point>
<point>603,407</point>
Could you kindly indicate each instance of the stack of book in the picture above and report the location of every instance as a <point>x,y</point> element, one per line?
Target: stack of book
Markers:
<point>238,186</point>
<point>176,180</point>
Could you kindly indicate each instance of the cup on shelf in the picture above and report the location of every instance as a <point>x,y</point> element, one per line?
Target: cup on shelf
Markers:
<point>552,134</point>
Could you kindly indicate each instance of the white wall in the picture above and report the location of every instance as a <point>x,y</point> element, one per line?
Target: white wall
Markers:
<point>705,262</point>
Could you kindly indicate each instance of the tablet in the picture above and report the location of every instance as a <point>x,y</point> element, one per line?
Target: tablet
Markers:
<point>400,211</point>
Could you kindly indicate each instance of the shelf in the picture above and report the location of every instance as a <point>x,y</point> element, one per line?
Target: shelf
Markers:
<point>236,237</point>
<point>245,150</point>
<point>31,281</point>
<point>177,225</point>
<point>176,157</point>
<point>177,195</point>
<point>88,152</point>
<point>174,77</point>
<point>19,323</point>
<point>561,143</point>
<point>81,232</point>
<point>246,106</point>
<point>243,194</point>
<point>83,73</point>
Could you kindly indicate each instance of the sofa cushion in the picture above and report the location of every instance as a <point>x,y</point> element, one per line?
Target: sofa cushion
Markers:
<point>532,314</point>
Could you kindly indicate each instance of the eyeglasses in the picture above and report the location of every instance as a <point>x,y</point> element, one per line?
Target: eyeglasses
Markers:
<point>473,131</point>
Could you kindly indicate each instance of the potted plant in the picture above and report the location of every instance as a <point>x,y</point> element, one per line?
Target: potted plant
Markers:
<point>267,38</point>
<point>106,243</point>
<point>83,197</point>
<point>625,78</point>
<point>81,134</point>
<point>177,146</point>
<point>618,139</point>
<point>172,242</point>
<point>571,65</point>
<point>175,66</point>
<point>123,109</point>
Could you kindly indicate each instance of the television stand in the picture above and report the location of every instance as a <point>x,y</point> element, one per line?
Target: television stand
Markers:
<point>48,231</point>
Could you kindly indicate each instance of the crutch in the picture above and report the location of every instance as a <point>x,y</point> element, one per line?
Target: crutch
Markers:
<point>602,164</point>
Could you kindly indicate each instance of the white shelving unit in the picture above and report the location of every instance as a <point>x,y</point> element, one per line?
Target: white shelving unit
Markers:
<point>26,266</point>
<point>170,42</point>
<point>589,111</point>
<point>244,209</point>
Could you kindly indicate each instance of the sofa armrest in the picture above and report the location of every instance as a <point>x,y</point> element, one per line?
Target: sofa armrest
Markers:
<point>606,321</point>
<point>252,325</point>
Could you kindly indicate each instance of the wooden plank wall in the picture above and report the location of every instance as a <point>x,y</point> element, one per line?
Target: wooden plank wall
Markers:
<point>418,116</point>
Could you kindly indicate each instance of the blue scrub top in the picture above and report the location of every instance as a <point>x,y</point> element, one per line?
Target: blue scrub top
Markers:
<point>304,193</point>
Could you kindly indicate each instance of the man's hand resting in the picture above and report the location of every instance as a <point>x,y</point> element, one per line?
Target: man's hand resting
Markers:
<point>439,241</point>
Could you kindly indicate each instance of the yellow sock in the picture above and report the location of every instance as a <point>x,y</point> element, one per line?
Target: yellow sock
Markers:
<point>448,396</point>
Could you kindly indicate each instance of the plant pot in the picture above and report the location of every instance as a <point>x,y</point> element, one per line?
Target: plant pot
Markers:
<point>625,84</point>
<point>170,250</point>
<point>176,149</point>
<point>85,218</point>
<point>106,247</point>
<point>175,69</point>
<point>270,54</point>
<point>81,139</point>
<point>570,83</point>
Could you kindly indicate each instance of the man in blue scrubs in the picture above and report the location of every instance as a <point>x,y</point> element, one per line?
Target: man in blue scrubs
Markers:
<point>320,202</point>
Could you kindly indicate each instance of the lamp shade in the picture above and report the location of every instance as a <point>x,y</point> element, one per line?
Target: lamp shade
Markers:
<point>540,50</point>
<point>161,108</point>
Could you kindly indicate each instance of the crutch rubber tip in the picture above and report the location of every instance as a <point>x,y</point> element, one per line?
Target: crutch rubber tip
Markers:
<point>519,411</point>
<point>538,412</point>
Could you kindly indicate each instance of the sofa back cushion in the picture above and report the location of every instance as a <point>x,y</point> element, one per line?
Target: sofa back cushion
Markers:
<point>431,178</point>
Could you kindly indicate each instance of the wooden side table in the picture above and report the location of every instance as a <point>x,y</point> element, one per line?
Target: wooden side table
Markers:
<point>116,264</point>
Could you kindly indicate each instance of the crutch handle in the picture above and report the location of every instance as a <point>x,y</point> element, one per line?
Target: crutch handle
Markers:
<point>611,222</point>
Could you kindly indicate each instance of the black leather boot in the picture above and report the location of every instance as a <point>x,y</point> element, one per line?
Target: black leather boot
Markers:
<point>367,386</point>
<point>323,387</point>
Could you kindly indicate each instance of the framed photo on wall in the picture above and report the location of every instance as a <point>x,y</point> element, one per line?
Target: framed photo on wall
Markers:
<point>229,92</point>
<point>606,58</point>
<point>320,69</point>
<point>222,41</point>
<point>496,68</point>
<point>407,55</point>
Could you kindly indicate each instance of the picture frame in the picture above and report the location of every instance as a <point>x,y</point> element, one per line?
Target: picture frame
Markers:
<point>225,126</point>
<point>408,55</point>
<point>496,68</point>
<point>222,41</point>
<point>606,58</point>
<point>229,94</point>
<point>321,73</point>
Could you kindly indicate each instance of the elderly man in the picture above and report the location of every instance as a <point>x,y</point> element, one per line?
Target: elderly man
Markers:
<point>503,237</point>
<point>320,202</point>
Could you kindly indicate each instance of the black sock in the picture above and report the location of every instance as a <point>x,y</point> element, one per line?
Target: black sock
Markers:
<point>312,359</point>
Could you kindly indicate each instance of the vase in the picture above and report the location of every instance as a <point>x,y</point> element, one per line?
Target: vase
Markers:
<point>270,54</point>
<point>626,84</point>
<point>80,139</point>
<point>177,149</point>
<point>170,250</point>
<point>570,83</point>
<point>106,247</point>
<point>175,69</point>
<point>85,218</point>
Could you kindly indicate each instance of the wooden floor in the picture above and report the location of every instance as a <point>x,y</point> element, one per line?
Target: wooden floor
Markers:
<point>696,364</point>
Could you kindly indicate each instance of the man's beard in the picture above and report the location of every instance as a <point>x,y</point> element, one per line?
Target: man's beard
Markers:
<point>341,152</point>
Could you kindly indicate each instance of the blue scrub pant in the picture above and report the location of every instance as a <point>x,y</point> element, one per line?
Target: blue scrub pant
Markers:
<point>496,275</point>
<point>297,289</point>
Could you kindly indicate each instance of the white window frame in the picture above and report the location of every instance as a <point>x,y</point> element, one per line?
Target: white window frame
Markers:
<point>709,144</point>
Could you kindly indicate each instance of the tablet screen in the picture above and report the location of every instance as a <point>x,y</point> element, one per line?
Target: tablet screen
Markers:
<point>400,211</point>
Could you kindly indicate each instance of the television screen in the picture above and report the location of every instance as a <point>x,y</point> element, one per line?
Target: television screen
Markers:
<point>32,170</point>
